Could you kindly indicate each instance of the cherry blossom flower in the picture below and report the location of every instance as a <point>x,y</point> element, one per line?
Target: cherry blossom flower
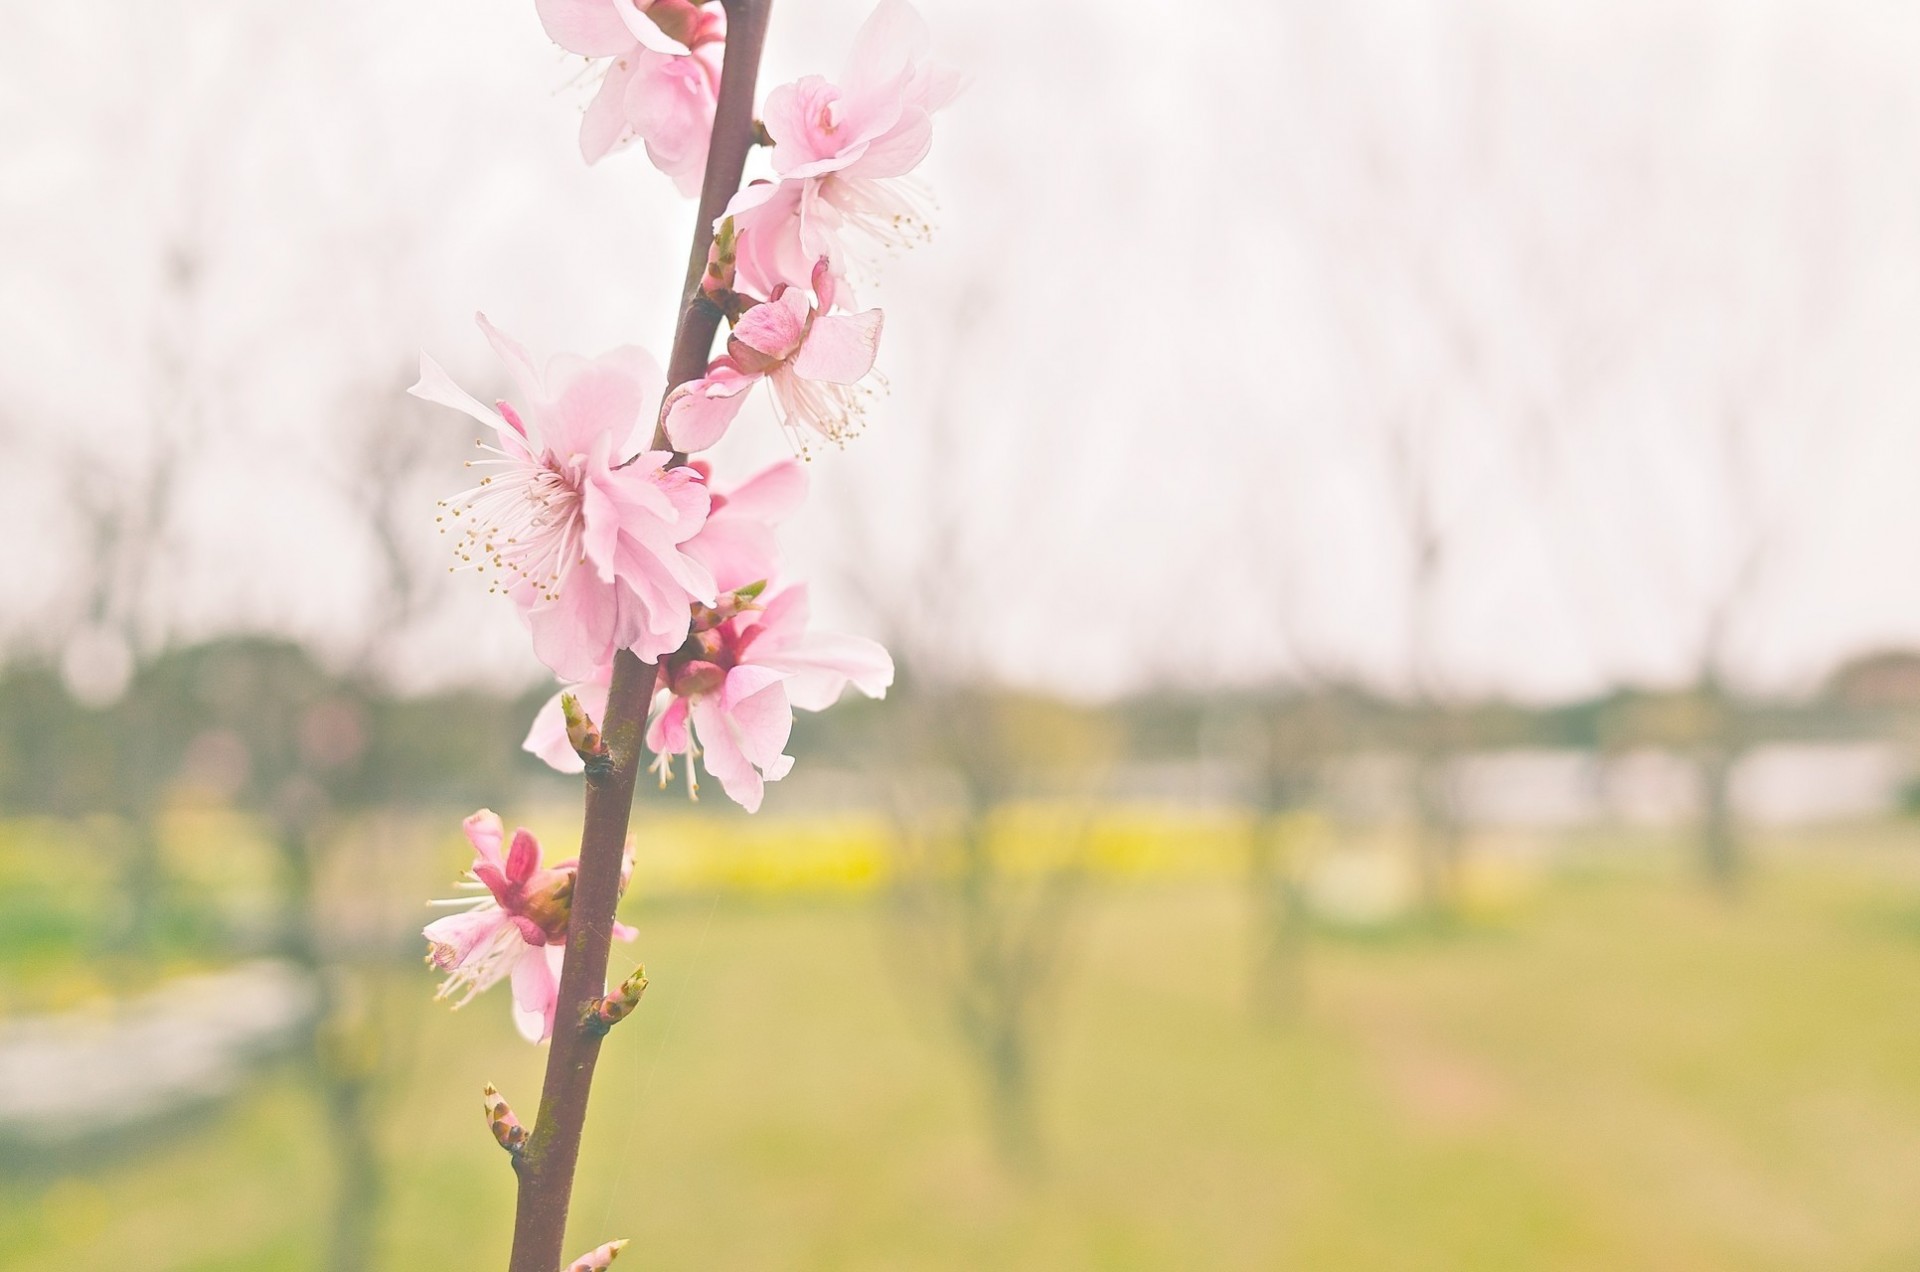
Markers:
<point>517,931</point>
<point>812,358</point>
<point>843,152</point>
<point>736,544</point>
<point>660,84</point>
<point>728,695</point>
<point>587,541</point>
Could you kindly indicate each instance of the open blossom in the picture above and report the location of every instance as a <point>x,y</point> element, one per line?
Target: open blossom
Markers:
<point>517,930</point>
<point>812,358</point>
<point>843,152</point>
<point>736,543</point>
<point>662,81</point>
<point>587,540</point>
<point>728,695</point>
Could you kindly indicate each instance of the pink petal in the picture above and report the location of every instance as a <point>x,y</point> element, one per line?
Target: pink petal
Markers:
<point>721,756</point>
<point>526,381</point>
<point>590,28</point>
<point>756,705</point>
<point>770,248</point>
<point>645,30</point>
<point>889,42</point>
<point>824,663</point>
<point>667,731</point>
<point>461,934</point>
<point>575,633</point>
<point>782,621</point>
<point>699,414</point>
<point>840,348</point>
<point>602,398</point>
<point>774,328</point>
<point>624,932</point>
<point>771,495</point>
<point>737,543</point>
<point>898,151</point>
<point>600,523</point>
<point>604,126</point>
<point>435,385</point>
<point>536,990</point>
<point>485,831</point>
<point>670,105</point>
<point>523,858</point>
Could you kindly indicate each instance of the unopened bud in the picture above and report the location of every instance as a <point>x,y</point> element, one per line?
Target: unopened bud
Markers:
<point>584,736</point>
<point>500,1119</point>
<point>717,282</point>
<point>607,1012</point>
<point>596,1260</point>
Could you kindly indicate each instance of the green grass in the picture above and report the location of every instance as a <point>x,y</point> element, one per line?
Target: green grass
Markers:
<point>1624,1074</point>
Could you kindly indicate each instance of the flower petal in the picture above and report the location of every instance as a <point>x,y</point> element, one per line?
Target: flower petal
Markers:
<point>536,990</point>
<point>435,385</point>
<point>523,857</point>
<point>840,348</point>
<point>485,831</point>
<point>721,756</point>
<point>591,28</point>
<point>604,126</point>
<point>699,414</point>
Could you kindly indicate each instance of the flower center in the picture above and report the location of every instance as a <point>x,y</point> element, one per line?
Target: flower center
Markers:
<point>523,521</point>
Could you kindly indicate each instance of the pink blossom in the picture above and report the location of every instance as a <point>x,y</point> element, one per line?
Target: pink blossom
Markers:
<point>728,695</point>
<point>736,544</point>
<point>518,930</point>
<point>843,152</point>
<point>813,359</point>
<point>587,540</point>
<point>662,81</point>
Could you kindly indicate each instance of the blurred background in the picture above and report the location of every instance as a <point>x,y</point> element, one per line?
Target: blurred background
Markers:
<point>1396,521</point>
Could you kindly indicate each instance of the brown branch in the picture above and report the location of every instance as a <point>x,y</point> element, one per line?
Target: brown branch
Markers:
<point>546,1165</point>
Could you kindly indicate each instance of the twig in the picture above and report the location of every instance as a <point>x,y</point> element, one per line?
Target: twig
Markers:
<point>546,1165</point>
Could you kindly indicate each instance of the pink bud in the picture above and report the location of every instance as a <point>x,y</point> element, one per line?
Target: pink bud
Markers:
<point>596,1260</point>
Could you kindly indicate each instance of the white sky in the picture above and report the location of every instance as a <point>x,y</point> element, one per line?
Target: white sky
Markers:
<point>1192,290</point>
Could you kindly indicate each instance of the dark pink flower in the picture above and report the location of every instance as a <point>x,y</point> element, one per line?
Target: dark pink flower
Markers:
<point>517,930</point>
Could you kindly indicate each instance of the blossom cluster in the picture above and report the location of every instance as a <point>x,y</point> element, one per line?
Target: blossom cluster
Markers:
<point>588,511</point>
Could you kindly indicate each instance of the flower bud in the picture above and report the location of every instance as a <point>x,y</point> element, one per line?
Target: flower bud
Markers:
<point>607,1012</point>
<point>584,736</point>
<point>717,282</point>
<point>500,1119</point>
<point>596,1260</point>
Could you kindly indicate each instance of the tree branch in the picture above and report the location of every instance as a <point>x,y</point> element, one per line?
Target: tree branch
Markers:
<point>546,1167</point>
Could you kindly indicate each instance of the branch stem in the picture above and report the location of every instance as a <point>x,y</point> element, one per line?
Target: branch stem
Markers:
<point>546,1166</point>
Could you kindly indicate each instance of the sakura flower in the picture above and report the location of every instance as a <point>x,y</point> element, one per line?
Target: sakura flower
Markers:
<point>728,695</point>
<point>736,544</point>
<point>585,538</point>
<point>661,83</point>
<point>843,152</point>
<point>517,931</point>
<point>813,359</point>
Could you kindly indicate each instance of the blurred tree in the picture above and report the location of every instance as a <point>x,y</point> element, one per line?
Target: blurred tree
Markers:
<point>988,934</point>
